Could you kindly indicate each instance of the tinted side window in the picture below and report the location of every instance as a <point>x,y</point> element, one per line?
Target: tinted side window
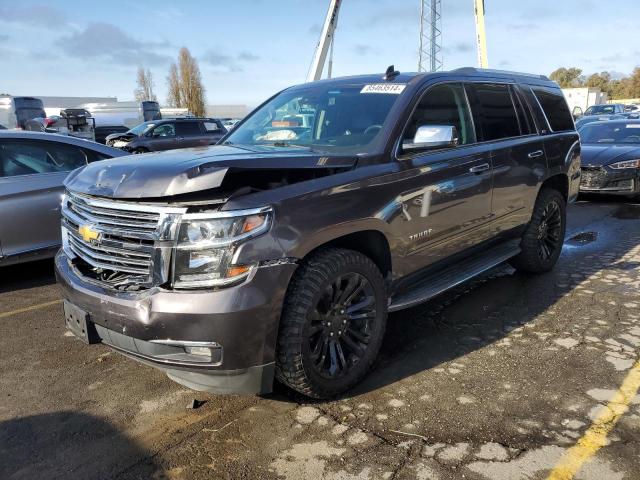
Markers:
<point>188,128</point>
<point>555,108</point>
<point>493,111</point>
<point>28,158</point>
<point>443,105</point>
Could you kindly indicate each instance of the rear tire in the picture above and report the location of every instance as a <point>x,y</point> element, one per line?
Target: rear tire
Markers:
<point>333,323</point>
<point>544,236</point>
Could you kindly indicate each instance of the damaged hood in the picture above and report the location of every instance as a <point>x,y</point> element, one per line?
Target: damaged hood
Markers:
<point>597,155</point>
<point>177,172</point>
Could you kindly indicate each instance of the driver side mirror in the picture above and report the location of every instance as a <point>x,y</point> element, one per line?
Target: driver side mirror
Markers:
<point>431,137</point>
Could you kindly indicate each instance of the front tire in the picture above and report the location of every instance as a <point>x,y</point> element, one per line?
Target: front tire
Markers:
<point>544,236</point>
<point>333,323</point>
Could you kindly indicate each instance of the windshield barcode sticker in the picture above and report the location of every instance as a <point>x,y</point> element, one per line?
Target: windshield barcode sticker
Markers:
<point>392,88</point>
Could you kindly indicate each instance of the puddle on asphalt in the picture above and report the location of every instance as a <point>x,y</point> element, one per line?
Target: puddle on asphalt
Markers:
<point>583,238</point>
<point>627,212</point>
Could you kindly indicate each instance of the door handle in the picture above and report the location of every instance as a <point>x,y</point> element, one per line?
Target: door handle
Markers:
<point>480,168</point>
<point>537,153</point>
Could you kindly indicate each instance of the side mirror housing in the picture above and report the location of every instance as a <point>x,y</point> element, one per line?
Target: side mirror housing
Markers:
<point>577,112</point>
<point>432,137</point>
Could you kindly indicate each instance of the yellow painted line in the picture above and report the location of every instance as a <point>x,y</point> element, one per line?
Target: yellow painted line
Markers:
<point>596,436</point>
<point>29,309</point>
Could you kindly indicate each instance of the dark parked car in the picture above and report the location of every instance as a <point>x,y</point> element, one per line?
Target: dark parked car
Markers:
<point>169,134</point>
<point>611,157</point>
<point>279,252</point>
<point>33,167</point>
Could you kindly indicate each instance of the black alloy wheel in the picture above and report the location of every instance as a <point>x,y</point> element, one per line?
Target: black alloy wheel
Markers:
<point>550,231</point>
<point>340,325</point>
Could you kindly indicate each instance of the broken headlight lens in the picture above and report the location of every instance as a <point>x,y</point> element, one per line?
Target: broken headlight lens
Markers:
<point>207,242</point>
<point>626,164</point>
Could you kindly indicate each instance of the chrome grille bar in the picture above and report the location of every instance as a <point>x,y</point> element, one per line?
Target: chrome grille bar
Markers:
<point>128,238</point>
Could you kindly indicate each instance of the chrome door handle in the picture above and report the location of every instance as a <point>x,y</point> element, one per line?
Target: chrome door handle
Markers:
<point>480,168</point>
<point>537,153</point>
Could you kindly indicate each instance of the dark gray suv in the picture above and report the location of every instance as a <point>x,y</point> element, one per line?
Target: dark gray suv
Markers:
<point>169,134</point>
<point>278,253</point>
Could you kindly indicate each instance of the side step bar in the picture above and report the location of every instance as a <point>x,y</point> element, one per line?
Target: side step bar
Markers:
<point>447,278</point>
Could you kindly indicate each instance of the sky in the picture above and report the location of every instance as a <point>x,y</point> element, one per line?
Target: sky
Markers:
<point>250,49</point>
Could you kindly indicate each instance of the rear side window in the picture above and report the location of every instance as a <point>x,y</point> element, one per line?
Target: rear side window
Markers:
<point>555,108</point>
<point>188,128</point>
<point>28,158</point>
<point>524,117</point>
<point>211,127</point>
<point>494,112</point>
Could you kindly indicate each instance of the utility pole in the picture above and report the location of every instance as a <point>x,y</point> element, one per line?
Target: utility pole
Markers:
<point>430,52</point>
<point>481,35</point>
<point>325,42</point>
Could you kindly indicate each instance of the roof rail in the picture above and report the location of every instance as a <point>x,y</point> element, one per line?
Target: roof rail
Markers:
<point>502,72</point>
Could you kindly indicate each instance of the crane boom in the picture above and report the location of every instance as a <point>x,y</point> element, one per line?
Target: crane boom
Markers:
<point>481,35</point>
<point>326,40</point>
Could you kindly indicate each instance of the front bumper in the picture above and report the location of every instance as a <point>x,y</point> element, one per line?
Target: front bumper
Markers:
<point>153,326</point>
<point>609,181</point>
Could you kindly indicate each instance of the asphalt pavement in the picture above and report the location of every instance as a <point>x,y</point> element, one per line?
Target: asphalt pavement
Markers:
<point>508,377</point>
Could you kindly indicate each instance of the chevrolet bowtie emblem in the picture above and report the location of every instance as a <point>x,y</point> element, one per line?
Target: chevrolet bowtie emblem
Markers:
<point>88,234</point>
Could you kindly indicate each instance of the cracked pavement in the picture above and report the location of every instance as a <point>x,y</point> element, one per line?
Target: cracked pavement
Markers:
<point>493,380</point>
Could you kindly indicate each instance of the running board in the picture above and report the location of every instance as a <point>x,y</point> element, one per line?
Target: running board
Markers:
<point>450,277</point>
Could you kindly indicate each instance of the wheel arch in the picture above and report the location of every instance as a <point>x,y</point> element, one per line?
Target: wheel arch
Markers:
<point>559,182</point>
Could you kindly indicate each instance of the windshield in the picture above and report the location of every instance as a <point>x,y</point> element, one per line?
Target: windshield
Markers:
<point>610,133</point>
<point>600,110</point>
<point>324,117</point>
<point>141,129</point>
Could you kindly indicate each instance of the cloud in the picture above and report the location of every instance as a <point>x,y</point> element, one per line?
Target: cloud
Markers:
<point>460,47</point>
<point>35,16</point>
<point>315,29</point>
<point>105,41</point>
<point>363,50</point>
<point>229,63</point>
<point>524,26</point>
<point>3,38</point>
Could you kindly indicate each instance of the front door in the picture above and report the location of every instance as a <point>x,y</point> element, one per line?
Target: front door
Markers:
<point>447,193</point>
<point>31,177</point>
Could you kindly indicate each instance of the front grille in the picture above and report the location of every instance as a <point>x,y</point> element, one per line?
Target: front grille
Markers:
<point>119,243</point>
<point>594,177</point>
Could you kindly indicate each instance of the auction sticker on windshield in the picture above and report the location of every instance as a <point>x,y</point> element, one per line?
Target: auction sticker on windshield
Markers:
<point>394,89</point>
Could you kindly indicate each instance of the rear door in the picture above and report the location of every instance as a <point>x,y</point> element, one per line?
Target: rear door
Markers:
<point>190,134</point>
<point>519,162</point>
<point>447,194</point>
<point>31,177</point>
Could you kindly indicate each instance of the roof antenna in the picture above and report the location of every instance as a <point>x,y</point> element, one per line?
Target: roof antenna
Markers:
<point>391,73</point>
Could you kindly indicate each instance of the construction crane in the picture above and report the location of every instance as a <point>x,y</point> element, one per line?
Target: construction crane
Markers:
<point>325,43</point>
<point>430,51</point>
<point>481,35</point>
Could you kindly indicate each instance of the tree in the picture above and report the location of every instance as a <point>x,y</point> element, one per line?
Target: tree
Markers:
<point>191,89</point>
<point>634,84</point>
<point>600,80</point>
<point>174,98</point>
<point>568,77</point>
<point>144,91</point>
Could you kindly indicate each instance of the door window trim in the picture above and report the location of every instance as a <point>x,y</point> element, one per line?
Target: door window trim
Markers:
<point>398,142</point>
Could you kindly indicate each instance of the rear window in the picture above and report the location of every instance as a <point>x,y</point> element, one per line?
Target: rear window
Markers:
<point>555,108</point>
<point>211,127</point>
<point>494,112</point>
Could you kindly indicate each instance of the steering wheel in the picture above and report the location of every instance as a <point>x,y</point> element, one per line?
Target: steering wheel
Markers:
<point>371,128</point>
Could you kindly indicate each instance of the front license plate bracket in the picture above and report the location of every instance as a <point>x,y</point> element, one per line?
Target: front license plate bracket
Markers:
<point>79,323</point>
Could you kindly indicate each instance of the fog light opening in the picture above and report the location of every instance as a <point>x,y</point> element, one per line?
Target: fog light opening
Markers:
<point>204,352</point>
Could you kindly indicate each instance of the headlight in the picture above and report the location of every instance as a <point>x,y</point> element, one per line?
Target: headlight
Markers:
<point>626,164</point>
<point>207,242</point>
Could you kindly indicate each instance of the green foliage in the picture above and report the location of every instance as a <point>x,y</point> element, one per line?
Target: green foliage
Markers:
<point>625,87</point>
